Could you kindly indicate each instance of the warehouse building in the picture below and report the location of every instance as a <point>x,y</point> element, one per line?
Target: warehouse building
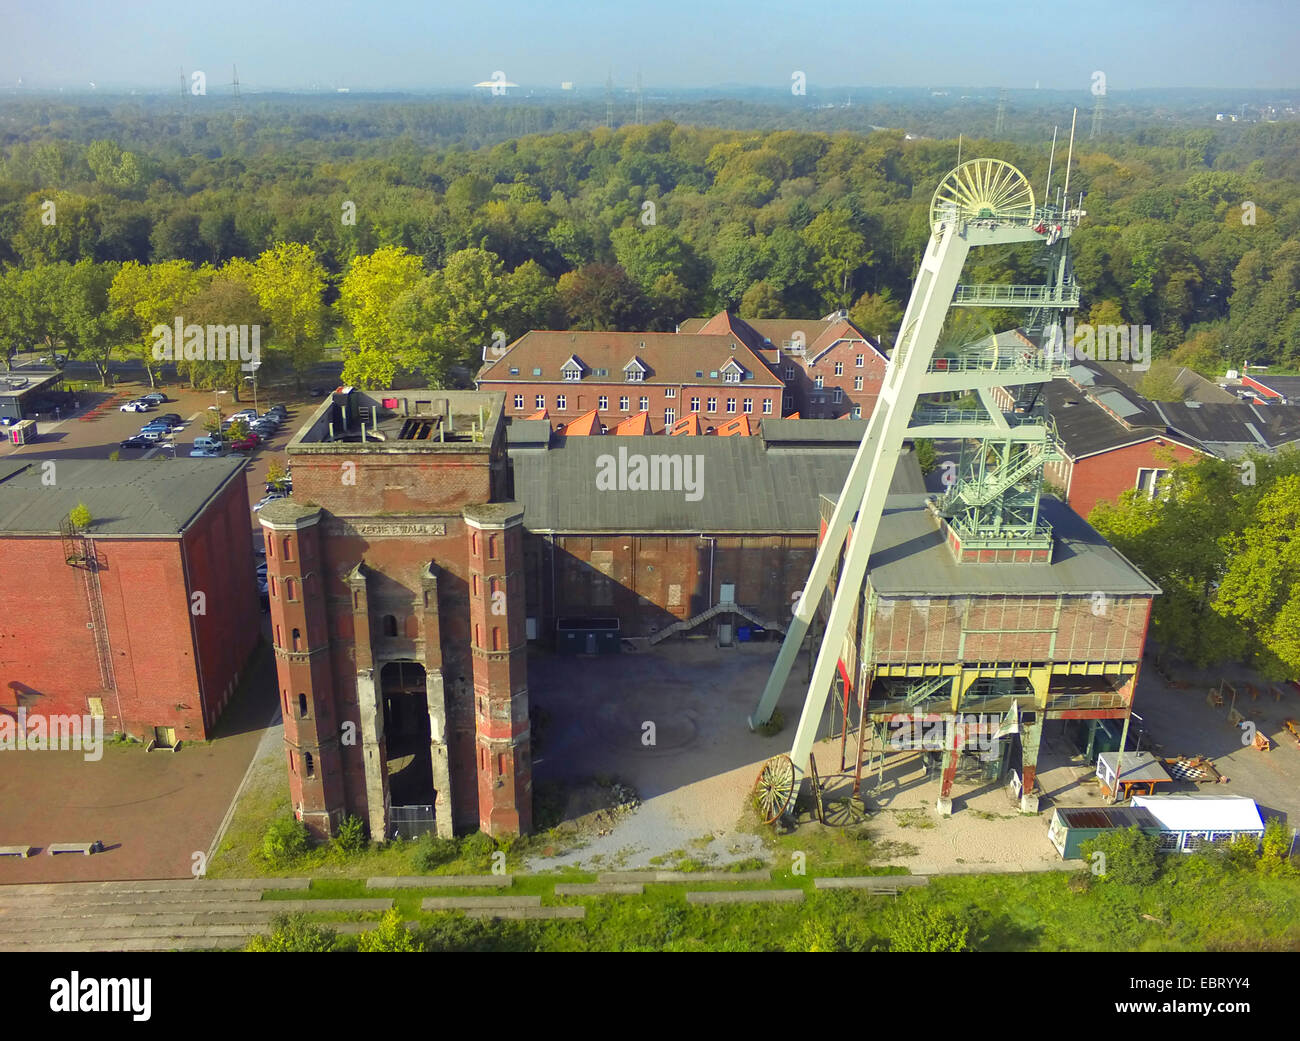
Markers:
<point>147,616</point>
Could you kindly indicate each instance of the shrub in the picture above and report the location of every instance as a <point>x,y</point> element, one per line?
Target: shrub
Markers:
<point>285,841</point>
<point>1276,847</point>
<point>392,935</point>
<point>926,456</point>
<point>353,836</point>
<point>923,928</point>
<point>1130,856</point>
<point>431,852</point>
<point>477,849</point>
<point>293,933</point>
<point>80,516</point>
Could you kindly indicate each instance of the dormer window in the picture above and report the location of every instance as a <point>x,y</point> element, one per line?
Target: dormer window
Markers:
<point>634,371</point>
<point>732,372</point>
<point>571,370</point>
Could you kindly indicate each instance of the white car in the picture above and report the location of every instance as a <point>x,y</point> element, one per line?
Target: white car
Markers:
<point>270,498</point>
<point>134,406</point>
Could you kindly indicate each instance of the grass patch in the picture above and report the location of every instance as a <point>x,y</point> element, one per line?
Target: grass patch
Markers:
<point>912,819</point>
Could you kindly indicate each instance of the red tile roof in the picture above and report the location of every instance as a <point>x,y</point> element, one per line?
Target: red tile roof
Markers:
<point>670,359</point>
<point>687,425</point>
<point>738,427</point>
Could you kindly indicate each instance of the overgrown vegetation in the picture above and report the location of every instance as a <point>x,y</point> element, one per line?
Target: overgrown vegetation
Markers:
<point>286,840</point>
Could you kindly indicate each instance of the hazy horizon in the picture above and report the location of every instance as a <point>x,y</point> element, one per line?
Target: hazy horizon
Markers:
<point>404,46</point>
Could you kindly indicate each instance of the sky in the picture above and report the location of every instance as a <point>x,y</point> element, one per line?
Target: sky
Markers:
<point>412,45</point>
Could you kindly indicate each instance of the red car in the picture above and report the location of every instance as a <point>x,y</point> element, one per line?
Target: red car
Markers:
<point>247,444</point>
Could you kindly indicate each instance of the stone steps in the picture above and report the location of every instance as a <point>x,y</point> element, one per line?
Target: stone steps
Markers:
<point>599,889</point>
<point>873,883</point>
<point>461,903</point>
<point>763,875</point>
<point>440,881</point>
<point>528,912</point>
<point>747,896</point>
<point>72,912</point>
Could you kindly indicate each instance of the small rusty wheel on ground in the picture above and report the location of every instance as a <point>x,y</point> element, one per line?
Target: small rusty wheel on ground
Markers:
<point>844,813</point>
<point>774,790</point>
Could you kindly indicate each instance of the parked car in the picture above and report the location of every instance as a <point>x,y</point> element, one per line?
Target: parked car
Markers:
<point>270,498</point>
<point>163,426</point>
<point>282,487</point>
<point>57,359</point>
<point>175,419</point>
<point>278,410</point>
<point>318,392</point>
<point>206,453</point>
<point>154,397</point>
<point>263,430</point>
<point>246,414</point>
<point>137,441</point>
<point>153,434</point>
<point>246,444</point>
<point>209,446</point>
<point>134,406</point>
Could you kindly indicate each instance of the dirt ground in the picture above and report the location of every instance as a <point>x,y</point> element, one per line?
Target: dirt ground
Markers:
<point>694,780</point>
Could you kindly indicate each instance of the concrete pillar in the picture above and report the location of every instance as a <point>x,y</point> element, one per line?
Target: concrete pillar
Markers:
<point>951,755</point>
<point>437,702</point>
<point>1029,739</point>
<point>374,753</point>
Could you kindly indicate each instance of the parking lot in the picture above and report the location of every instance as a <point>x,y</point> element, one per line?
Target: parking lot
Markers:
<point>97,428</point>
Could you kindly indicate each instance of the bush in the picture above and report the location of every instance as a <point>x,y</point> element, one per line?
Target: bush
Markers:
<point>1277,846</point>
<point>285,841</point>
<point>432,852</point>
<point>926,456</point>
<point>353,836</point>
<point>293,934</point>
<point>923,928</point>
<point>477,849</point>
<point>1129,856</point>
<point>392,935</point>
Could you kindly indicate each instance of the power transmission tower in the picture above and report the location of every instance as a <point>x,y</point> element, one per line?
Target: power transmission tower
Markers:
<point>640,103</point>
<point>1097,111</point>
<point>234,86</point>
<point>1002,112</point>
<point>609,100</point>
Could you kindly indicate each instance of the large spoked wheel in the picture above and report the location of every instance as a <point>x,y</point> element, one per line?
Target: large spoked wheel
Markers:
<point>774,789</point>
<point>982,189</point>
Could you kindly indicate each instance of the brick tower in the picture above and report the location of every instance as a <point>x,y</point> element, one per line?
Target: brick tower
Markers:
<point>499,646</point>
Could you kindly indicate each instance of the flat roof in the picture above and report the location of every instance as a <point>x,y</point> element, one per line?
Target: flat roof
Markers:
<point>738,484</point>
<point>1138,766</point>
<point>1202,811</point>
<point>911,558</point>
<point>126,497</point>
<point>1101,817</point>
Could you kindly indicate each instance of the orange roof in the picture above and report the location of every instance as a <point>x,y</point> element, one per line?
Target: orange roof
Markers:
<point>587,425</point>
<point>541,415</point>
<point>738,427</point>
<point>793,415</point>
<point>765,336</point>
<point>687,425</point>
<point>635,426</point>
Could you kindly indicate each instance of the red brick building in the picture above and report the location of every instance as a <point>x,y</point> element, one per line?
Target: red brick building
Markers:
<point>664,375</point>
<point>1113,439</point>
<point>148,617</point>
<point>829,367</point>
<point>396,590</point>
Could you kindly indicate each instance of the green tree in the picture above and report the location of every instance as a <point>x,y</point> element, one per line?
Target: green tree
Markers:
<point>1129,856</point>
<point>290,284</point>
<point>80,516</point>
<point>1160,382</point>
<point>293,934</point>
<point>145,296</point>
<point>601,297</point>
<point>878,315</point>
<point>839,252</point>
<point>392,935</point>
<point>918,927</point>
<point>285,840</point>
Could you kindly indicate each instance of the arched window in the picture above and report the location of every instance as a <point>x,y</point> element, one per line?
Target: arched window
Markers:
<point>290,589</point>
<point>288,549</point>
<point>273,590</point>
<point>279,637</point>
<point>390,625</point>
<point>302,706</point>
<point>492,547</point>
<point>473,543</point>
<point>496,638</point>
<point>309,764</point>
<point>297,640</point>
<point>270,547</point>
<point>292,769</point>
<point>478,635</point>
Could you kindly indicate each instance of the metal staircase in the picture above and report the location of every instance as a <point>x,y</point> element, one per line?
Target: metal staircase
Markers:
<point>925,689</point>
<point>725,607</point>
<point>983,489</point>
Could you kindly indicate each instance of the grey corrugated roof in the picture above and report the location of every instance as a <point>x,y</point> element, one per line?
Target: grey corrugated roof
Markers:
<point>136,497</point>
<point>1085,428</point>
<point>745,487</point>
<point>910,558</point>
<point>528,432</point>
<point>842,431</point>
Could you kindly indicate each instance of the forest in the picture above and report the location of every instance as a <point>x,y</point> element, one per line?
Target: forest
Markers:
<point>409,256</point>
